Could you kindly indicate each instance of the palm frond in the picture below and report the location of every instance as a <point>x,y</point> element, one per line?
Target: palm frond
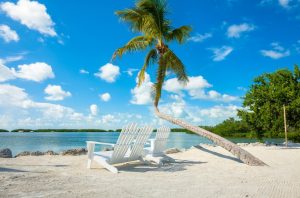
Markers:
<point>140,21</point>
<point>179,34</point>
<point>157,9</point>
<point>151,58</point>
<point>135,44</point>
<point>174,64</point>
<point>160,78</point>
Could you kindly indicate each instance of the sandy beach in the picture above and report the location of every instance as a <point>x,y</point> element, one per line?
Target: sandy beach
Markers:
<point>206,171</point>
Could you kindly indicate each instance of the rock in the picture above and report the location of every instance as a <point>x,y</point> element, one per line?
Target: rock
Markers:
<point>5,153</point>
<point>257,144</point>
<point>24,153</point>
<point>243,144</point>
<point>108,149</point>
<point>50,153</point>
<point>37,153</point>
<point>172,150</point>
<point>79,151</point>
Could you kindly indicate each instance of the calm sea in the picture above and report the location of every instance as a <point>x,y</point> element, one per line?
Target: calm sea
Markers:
<point>59,141</point>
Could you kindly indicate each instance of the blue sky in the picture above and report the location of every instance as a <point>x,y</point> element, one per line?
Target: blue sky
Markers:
<point>55,69</point>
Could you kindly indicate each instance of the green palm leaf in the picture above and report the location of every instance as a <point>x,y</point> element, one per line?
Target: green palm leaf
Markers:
<point>151,58</point>
<point>135,44</point>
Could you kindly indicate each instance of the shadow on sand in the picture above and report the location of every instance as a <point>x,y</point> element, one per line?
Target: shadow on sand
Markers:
<point>175,166</point>
<point>218,154</point>
<point>12,170</point>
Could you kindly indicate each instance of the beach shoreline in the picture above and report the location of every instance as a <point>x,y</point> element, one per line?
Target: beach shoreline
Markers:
<point>206,171</point>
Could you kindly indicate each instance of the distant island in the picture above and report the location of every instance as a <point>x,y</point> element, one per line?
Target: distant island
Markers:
<point>230,128</point>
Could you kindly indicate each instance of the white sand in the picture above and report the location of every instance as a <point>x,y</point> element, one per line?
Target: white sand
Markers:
<point>196,173</point>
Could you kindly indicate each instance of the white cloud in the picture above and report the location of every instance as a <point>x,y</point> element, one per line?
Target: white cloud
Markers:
<point>221,53</point>
<point>94,109</point>
<point>200,37</point>
<point>17,110</point>
<point>195,82</point>
<point>197,115</point>
<point>82,71</point>
<point>105,97</point>
<point>196,89</point>
<point>11,59</point>
<point>142,95</point>
<point>8,34</point>
<point>108,118</point>
<point>5,73</point>
<point>31,14</point>
<point>108,72</point>
<point>284,3</point>
<point>55,93</point>
<point>277,52</point>
<point>235,31</point>
<point>38,71</point>
<point>130,71</point>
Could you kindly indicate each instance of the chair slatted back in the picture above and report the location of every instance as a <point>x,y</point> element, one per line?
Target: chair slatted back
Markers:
<point>139,143</point>
<point>124,143</point>
<point>161,139</point>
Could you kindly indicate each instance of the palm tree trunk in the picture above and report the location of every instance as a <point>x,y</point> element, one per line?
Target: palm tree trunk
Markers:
<point>240,153</point>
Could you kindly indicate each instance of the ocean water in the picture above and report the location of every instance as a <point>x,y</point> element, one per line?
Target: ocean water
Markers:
<point>59,141</point>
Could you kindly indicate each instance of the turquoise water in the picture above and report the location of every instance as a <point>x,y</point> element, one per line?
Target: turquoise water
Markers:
<point>57,142</point>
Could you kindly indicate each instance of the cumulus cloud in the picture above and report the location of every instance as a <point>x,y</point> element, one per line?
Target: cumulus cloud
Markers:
<point>200,37</point>
<point>32,14</point>
<point>18,110</point>
<point>56,93</point>
<point>108,72</point>
<point>105,97</point>
<point>142,95</point>
<point>8,35</point>
<point>198,115</point>
<point>195,82</point>
<point>221,53</point>
<point>82,71</point>
<point>5,73</point>
<point>235,31</point>
<point>276,52</point>
<point>37,72</point>
<point>196,89</point>
<point>94,109</point>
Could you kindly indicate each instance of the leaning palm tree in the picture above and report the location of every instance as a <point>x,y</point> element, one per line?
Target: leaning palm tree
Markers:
<point>148,17</point>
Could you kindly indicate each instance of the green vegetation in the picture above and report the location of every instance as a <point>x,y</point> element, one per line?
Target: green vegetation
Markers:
<point>22,130</point>
<point>3,130</point>
<point>263,104</point>
<point>262,113</point>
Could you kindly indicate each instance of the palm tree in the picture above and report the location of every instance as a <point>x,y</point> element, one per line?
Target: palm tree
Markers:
<point>148,17</point>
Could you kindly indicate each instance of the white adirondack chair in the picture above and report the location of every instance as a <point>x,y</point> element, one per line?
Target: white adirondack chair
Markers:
<point>129,147</point>
<point>155,152</point>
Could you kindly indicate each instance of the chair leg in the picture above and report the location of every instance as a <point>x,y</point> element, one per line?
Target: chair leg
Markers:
<point>89,164</point>
<point>106,165</point>
<point>90,154</point>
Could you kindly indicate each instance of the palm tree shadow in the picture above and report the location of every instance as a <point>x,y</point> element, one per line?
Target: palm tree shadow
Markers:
<point>12,170</point>
<point>175,166</point>
<point>218,154</point>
